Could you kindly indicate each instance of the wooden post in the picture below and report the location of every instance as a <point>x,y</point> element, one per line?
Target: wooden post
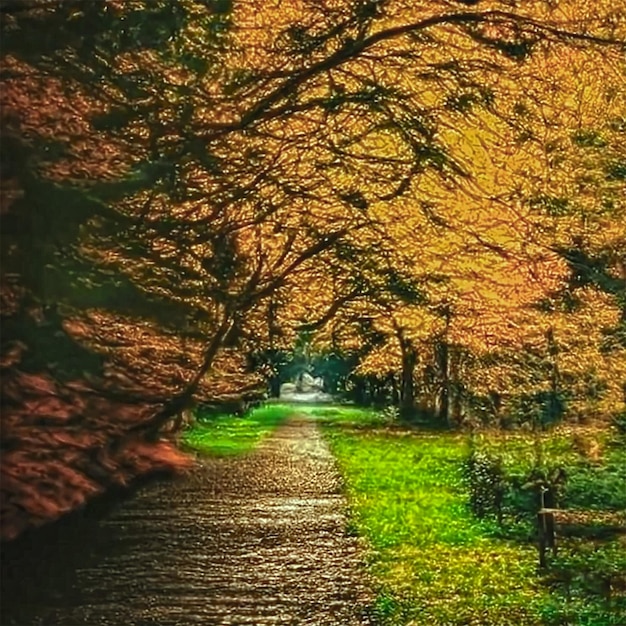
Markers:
<point>547,535</point>
<point>545,526</point>
<point>550,531</point>
<point>542,540</point>
<point>549,504</point>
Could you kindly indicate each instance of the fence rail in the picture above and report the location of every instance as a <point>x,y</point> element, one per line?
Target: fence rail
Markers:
<point>552,523</point>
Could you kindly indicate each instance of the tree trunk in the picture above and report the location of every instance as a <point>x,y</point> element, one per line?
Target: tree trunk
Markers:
<point>274,386</point>
<point>456,389</point>
<point>182,400</point>
<point>443,358</point>
<point>359,391</point>
<point>272,331</point>
<point>395,392</point>
<point>375,391</point>
<point>329,384</point>
<point>407,391</point>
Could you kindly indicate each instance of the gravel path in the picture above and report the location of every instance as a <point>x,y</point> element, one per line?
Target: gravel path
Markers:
<point>255,540</point>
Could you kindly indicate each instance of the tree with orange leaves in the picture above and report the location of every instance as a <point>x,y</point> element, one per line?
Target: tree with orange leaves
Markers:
<point>170,166</point>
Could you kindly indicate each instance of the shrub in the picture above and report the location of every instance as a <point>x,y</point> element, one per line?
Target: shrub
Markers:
<point>486,481</point>
<point>594,571</point>
<point>541,409</point>
<point>390,415</point>
<point>601,488</point>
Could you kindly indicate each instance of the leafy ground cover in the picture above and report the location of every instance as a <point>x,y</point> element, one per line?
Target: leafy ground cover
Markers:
<point>585,470</point>
<point>230,435</point>
<point>435,562</point>
<point>593,463</point>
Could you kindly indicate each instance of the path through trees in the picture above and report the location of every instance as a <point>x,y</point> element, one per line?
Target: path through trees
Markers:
<point>432,191</point>
<point>259,540</point>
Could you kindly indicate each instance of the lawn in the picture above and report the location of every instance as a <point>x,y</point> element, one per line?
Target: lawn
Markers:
<point>231,435</point>
<point>434,562</point>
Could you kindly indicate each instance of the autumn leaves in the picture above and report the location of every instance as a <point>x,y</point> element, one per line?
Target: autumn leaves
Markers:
<point>186,168</point>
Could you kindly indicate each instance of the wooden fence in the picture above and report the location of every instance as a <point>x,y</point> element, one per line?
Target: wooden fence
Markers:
<point>552,523</point>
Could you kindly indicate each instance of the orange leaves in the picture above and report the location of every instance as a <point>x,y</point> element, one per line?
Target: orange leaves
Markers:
<point>294,163</point>
<point>40,108</point>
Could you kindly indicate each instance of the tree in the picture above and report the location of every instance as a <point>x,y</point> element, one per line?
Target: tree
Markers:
<point>170,166</point>
<point>496,261</point>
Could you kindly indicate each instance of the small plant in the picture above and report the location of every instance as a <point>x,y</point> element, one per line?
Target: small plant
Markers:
<point>387,607</point>
<point>390,415</point>
<point>547,483</point>
<point>486,481</point>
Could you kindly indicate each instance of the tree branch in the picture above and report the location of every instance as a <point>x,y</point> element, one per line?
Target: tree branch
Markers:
<point>353,49</point>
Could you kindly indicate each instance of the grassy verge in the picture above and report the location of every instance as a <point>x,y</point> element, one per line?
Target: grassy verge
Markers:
<point>586,469</point>
<point>336,414</point>
<point>229,435</point>
<point>435,563</point>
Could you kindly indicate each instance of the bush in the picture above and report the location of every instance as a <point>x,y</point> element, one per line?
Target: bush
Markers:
<point>601,488</point>
<point>486,481</point>
<point>390,415</point>
<point>541,409</point>
<point>594,572</point>
<point>495,491</point>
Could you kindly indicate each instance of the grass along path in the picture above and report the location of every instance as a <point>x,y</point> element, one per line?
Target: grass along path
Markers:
<point>230,435</point>
<point>434,562</point>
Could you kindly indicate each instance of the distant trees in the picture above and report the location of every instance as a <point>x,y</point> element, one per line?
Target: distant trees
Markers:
<point>490,249</point>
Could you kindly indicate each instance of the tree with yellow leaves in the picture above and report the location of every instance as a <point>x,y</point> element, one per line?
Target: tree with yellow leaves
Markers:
<point>171,168</point>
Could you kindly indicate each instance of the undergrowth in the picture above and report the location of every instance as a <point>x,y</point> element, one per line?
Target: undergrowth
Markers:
<point>436,563</point>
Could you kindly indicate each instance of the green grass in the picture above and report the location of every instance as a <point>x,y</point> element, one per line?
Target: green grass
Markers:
<point>593,464</point>
<point>434,562</point>
<point>592,483</point>
<point>343,414</point>
<point>229,435</point>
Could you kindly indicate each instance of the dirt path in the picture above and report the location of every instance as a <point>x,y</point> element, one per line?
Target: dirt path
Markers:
<point>256,540</point>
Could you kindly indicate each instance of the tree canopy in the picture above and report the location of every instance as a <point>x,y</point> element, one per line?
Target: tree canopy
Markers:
<point>435,190</point>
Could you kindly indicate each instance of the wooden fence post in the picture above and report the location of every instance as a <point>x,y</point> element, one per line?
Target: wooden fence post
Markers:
<point>546,526</point>
<point>542,540</point>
